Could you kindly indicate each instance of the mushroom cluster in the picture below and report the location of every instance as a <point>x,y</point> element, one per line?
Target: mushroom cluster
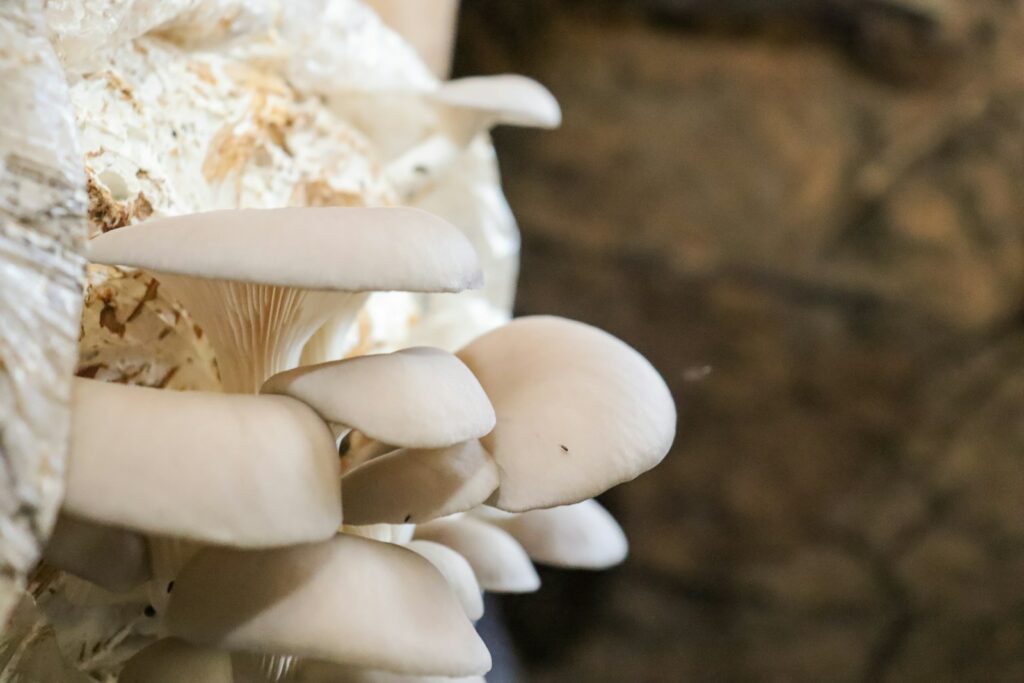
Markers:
<point>330,514</point>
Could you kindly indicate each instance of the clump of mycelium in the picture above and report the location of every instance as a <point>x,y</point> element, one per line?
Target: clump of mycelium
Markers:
<point>301,444</point>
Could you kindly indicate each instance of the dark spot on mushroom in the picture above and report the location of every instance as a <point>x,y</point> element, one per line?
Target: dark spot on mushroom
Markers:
<point>421,169</point>
<point>150,611</point>
<point>170,586</point>
<point>408,518</point>
<point>564,448</point>
<point>345,444</point>
<point>174,133</point>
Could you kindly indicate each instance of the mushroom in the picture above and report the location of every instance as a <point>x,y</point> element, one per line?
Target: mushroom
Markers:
<point>347,600</point>
<point>498,561</point>
<point>456,571</point>
<point>200,467</point>
<point>417,485</point>
<point>112,558</point>
<point>578,536</point>
<point>261,281</point>
<point>417,397</point>
<point>246,471</point>
<point>578,410</point>
<point>470,106</point>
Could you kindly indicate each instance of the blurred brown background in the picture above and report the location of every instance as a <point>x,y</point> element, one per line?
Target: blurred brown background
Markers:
<point>823,203</point>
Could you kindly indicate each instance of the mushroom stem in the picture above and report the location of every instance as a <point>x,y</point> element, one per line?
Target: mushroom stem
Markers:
<point>257,330</point>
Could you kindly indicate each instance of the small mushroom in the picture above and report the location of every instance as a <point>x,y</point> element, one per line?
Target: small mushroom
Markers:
<point>508,99</point>
<point>456,571</point>
<point>578,410</point>
<point>112,558</point>
<point>260,282</point>
<point>418,485</point>
<point>579,536</point>
<point>498,561</point>
<point>347,600</point>
<point>247,471</point>
<point>418,397</point>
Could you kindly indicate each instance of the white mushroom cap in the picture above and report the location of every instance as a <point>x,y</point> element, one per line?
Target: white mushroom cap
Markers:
<point>173,661</point>
<point>316,248</point>
<point>579,411</point>
<point>498,561</point>
<point>457,571</point>
<point>111,558</point>
<point>419,397</point>
<point>348,600</point>
<point>416,485</point>
<point>219,468</point>
<point>260,282</point>
<point>507,98</point>
<point>579,536</point>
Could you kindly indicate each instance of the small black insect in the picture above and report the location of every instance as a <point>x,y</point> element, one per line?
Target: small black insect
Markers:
<point>408,518</point>
<point>565,449</point>
<point>170,586</point>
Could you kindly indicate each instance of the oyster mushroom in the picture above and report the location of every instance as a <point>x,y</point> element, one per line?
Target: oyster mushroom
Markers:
<point>347,600</point>
<point>578,536</point>
<point>498,561</point>
<point>418,485</point>
<point>470,106</point>
<point>247,471</point>
<point>572,402</point>
<point>417,397</point>
<point>260,282</point>
<point>188,468</point>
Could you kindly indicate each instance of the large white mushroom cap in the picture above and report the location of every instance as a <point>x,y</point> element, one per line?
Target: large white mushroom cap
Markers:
<point>218,468</point>
<point>418,397</point>
<point>457,571</point>
<point>348,600</point>
<point>260,282</point>
<point>578,410</point>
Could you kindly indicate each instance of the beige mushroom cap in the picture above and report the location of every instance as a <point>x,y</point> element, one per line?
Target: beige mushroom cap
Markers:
<point>456,570</point>
<point>318,248</point>
<point>509,98</point>
<point>579,411</point>
<point>173,661</point>
<point>417,485</point>
<point>498,561</point>
<point>418,397</point>
<point>114,559</point>
<point>348,600</point>
<point>579,536</point>
<point>218,468</point>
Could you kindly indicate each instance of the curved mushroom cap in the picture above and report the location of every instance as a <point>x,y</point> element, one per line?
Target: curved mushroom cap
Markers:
<point>348,600</point>
<point>416,485</point>
<point>219,468</point>
<point>456,570</point>
<point>172,661</point>
<point>319,248</point>
<point>419,397</point>
<point>325,672</point>
<point>498,561</point>
<point>579,411</point>
<point>114,559</point>
<point>510,98</point>
<point>579,536</point>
